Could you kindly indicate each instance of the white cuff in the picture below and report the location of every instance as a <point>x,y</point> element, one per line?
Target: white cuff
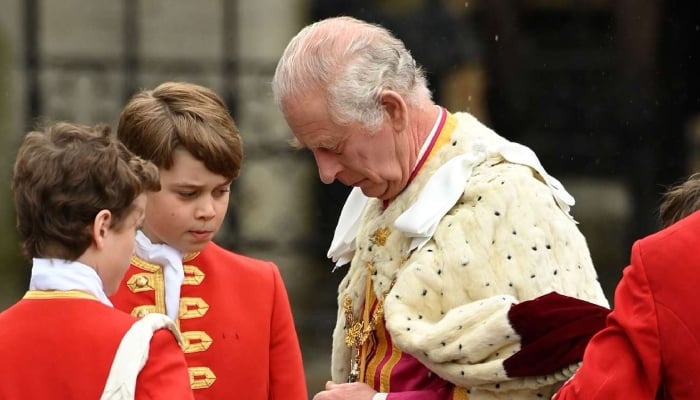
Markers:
<point>380,396</point>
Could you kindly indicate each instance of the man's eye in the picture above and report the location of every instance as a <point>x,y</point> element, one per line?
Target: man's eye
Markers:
<point>331,150</point>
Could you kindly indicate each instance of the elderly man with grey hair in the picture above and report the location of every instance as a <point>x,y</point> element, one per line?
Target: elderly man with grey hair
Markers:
<point>450,230</point>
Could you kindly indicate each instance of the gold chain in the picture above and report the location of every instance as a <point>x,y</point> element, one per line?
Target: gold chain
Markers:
<point>358,330</point>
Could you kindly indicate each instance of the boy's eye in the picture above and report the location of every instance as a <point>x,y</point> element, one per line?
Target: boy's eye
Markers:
<point>187,194</point>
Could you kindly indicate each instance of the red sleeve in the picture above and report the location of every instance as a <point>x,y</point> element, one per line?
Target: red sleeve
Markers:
<point>165,374</point>
<point>623,361</point>
<point>287,379</point>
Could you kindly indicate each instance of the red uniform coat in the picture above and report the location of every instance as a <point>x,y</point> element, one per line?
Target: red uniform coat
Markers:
<point>60,345</point>
<point>651,342</point>
<point>236,321</point>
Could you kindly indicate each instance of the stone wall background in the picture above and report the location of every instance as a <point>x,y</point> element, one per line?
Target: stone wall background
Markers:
<point>81,60</point>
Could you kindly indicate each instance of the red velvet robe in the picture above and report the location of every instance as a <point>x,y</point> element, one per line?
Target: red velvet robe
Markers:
<point>235,316</point>
<point>61,344</point>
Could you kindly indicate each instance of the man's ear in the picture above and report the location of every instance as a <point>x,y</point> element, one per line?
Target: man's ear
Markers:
<point>100,227</point>
<point>395,108</point>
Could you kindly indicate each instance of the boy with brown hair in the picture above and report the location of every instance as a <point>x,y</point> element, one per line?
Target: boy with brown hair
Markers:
<point>240,339</point>
<point>679,201</point>
<point>79,196</point>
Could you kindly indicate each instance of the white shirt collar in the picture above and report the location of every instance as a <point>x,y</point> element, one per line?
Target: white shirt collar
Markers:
<point>429,139</point>
<point>58,274</point>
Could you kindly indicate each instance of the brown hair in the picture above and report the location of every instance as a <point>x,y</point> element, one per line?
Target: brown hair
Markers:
<point>64,175</point>
<point>179,114</point>
<point>680,201</point>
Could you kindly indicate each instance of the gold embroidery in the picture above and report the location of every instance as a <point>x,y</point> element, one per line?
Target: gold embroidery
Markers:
<point>358,331</point>
<point>193,275</point>
<point>145,265</point>
<point>380,236</point>
<point>189,256</point>
<point>196,341</point>
<point>142,311</point>
<point>201,377</point>
<point>57,294</point>
<point>155,281</point>
<point>140,282</point>
<point>353,329</point>
<point>353,334</point>
<point>192,307</point>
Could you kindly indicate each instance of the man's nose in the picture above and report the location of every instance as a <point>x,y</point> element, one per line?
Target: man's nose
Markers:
<point>328,167</point>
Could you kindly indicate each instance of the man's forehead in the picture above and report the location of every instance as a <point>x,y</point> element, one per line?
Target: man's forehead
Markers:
<point>309,130</point>
<point>319,138</point>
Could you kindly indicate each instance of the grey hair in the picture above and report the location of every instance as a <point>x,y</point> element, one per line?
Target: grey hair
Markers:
<point>352,62</point>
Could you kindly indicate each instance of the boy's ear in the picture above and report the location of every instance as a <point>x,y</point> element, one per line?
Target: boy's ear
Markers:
<point>395,109</point>
<point>100,226</point>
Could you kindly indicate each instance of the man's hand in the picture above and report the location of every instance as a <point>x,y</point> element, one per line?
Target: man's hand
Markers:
<point>346,391</point>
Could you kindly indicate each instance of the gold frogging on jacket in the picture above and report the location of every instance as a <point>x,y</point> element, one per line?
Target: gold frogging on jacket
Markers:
<point>193,275</point>
<point>195,341</point>
<point>152,279</point>
<point>357,331</point>
<point>201,377</point>
<point>192,307</point>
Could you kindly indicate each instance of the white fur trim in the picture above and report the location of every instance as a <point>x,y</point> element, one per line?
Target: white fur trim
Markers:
<point>505,240</point>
